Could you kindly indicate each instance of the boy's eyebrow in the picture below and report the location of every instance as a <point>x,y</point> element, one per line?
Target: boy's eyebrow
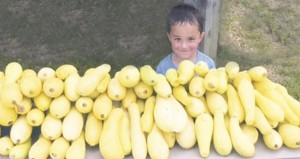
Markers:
<point>174,35</point>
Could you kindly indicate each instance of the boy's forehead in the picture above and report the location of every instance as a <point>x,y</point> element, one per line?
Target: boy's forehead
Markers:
<point>185,25</point>
<point>184,28</point>
<point>180,20</point>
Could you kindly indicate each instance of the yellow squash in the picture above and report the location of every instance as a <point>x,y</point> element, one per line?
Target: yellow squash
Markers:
<point>110,143</point>
<point>222,80</point>
<point>142,90</point>
<point>169,114</point>
<point>148,75</point>
<point>13,71</point>
<point>246,93</point>
<point>24,106</point>
<point>125,130</point>
<point>30,86</point>
<point>35,117</point>
<point>88,83</point>
<point>172,77</point>
<point>59,148</point>
<point>270,108</point>
<point>40,148</point>
<point>6,144</point>
<point>235,107</point>
<point>289,115</point>
<point>273,140</point>
<point>258,73</point>
<point>232,68</point>
<point>242,144</point>
<point>115,90</point>
<point>201,68</point>
<point>170,138</point>
<point>157,145</point>
<point>69,87</point>
<point>102,106</point>
<point>196,86</point>
<point>60,107</point>
<point>20,131</point>
<point>92,128</point>
<point>185,71</point>
<point>261,122</point>
<point>53,87</point>
<point>147,118</point>
<point>45,73</point>
<point>20,151</point>
<point>182,95</point>
<point>42,101</point>
<point>162,86</point>
<point>8,116</point>
<point>71,131</point>
<point>65,70</point>
<point>77,148</point>
<point>84,104</point>
<point>290,135</point>
<point>129,76</point>
<point>250,131</point>
<point>102,85</point>
<point>211,80</point>
<point>11,95</point>
<point>51,127</point>
<point>221,137</point>
<point>187,137</point>
<point>138,138</point>
<point>204,125</point>
<point>130,97</point>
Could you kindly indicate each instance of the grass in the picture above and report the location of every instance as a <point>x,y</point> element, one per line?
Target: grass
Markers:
<point>89,33</point>
<point>83,33</point>
<point>263,33</point>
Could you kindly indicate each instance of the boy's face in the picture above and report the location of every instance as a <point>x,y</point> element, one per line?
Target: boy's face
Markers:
<point>185,39</point>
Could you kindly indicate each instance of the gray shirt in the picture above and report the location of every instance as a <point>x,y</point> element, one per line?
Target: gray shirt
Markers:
<point>166,63</point>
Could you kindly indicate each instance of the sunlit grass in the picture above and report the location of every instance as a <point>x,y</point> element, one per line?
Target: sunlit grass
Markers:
<point>263,33</point>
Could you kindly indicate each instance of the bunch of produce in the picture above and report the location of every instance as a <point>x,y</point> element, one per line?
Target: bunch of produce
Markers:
<point>141,113</point>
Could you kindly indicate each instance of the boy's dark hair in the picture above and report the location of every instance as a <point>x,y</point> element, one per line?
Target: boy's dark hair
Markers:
<point>182,13</point>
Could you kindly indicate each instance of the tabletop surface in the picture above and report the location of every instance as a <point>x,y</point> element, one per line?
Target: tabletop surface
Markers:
<point>262,152</point>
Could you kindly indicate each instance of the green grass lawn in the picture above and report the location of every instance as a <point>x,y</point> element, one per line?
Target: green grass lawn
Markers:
<point>83,33</point>
<point>263,33</point>
<point>89,33</point>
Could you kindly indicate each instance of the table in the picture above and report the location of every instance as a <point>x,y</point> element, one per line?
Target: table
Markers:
<point>262,152</point>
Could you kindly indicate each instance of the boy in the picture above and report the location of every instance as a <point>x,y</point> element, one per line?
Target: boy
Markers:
<point>185,32</point>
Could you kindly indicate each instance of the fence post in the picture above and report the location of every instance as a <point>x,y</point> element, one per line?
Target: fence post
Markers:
<point>211,11</point>
<point>212,17</point>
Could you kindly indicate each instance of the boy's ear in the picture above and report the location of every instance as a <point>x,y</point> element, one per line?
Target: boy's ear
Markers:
<point>202,35</point>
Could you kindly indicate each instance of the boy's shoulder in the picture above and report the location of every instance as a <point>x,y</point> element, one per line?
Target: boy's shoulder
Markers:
<point>203,57</point>
<point>165,64</point>
<point>166,59</point>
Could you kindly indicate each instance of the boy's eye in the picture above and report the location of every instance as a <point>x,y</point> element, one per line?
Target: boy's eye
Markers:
<point>177,39</point>
<point>191,39</point>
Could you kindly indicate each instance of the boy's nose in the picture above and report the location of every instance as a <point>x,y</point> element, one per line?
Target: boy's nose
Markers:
<point>184,45</point>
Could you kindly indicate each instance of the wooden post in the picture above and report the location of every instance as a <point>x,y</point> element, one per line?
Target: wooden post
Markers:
<point>212,27</point>
<point>211,11</point>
